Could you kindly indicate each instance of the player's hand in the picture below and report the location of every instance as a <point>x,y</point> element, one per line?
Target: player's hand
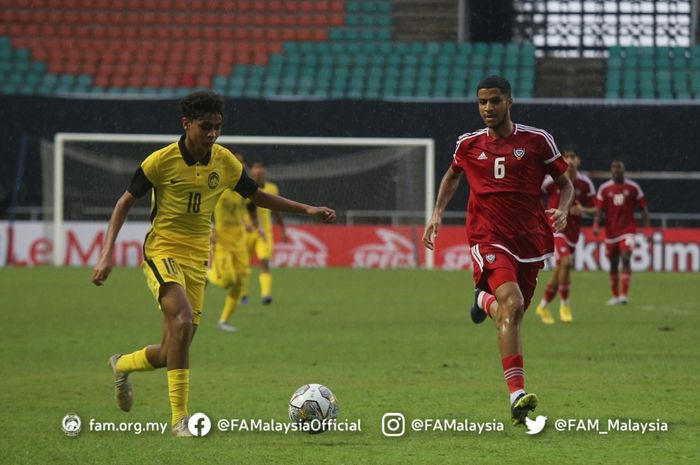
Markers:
<point>431,232</point>
<point>212,237</point>
<point>261,232</point>
<point>558,218</point>
<point>596,230</point>
<point>325,214</point>
<point>102,270</point>
<point>576,209</point>
<point>285,238</point>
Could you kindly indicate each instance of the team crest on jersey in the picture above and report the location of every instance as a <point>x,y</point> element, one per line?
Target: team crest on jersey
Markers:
<point>490,257</point>
<point>519,153</point>
<point>213,180</point>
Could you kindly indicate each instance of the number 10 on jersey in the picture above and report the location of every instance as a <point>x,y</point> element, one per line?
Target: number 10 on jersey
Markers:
<point>194,201</point>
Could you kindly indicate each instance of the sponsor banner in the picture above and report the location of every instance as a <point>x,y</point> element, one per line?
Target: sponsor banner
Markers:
<point>30,244</point>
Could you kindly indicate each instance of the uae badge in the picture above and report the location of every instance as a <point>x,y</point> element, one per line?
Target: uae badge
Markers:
<point>519,153</point>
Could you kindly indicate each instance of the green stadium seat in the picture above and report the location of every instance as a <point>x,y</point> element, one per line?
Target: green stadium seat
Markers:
<point>684,95</point>
<point>353,7</point>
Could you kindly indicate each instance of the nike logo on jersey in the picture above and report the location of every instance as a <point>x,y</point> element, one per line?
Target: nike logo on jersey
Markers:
<point>175,181</point>
<point>482,156</point>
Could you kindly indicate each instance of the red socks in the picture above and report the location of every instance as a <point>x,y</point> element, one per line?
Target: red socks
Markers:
<point>549,293</point>
<point>564,291</point>
<point>626,278</point>
<point>614,283</point>
<point>513,372</point>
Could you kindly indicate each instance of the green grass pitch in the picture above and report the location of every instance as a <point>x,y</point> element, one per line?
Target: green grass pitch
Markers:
<point>383,341</point>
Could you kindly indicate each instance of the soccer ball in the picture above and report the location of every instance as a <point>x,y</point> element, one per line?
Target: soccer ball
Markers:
<point>313,404</point>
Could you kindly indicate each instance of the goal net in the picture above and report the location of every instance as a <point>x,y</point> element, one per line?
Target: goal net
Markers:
<point>366,180</point>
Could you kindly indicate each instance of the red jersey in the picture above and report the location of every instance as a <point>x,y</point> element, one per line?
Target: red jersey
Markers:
<point>619,202</point>
<point>584,193</point>
<point>505,175</point>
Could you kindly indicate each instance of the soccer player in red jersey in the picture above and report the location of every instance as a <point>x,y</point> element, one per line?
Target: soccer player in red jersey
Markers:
<point>565,241</point>
<point>619,198</point>
<point>507,227</point>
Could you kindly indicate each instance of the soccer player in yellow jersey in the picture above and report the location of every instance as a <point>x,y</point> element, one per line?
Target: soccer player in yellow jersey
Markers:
<point>230,264</point>
<point>261,242</point>
<point>186,179</point>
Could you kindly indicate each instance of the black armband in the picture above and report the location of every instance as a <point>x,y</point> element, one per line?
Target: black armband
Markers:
<point>245,186</point>
<point>140,185</point>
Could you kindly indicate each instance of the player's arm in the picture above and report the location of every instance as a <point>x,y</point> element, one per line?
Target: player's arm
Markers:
<point>566,195</point>
<point>119,214</point>
<point>596,221</point>
<point>645,221</point>
<point>278,203</point>
<point>280,221</point>
<point>448,187</point>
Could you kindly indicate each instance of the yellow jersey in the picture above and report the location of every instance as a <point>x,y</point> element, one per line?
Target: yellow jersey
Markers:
<point>185,193</point>
<point>264,214</point>
<point>230,218</point>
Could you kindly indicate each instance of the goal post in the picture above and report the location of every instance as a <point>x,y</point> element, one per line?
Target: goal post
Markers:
<point>401,169</point>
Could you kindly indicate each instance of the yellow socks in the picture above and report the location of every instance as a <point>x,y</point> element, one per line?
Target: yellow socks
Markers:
<point>179,392</point>
<point>135,361</point>
<point>265,284</point>
<point>231,302</point>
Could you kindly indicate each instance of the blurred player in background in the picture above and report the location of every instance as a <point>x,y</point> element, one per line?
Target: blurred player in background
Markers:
<point>619,198</point>
<point>261,241</point>
<point>186,179</point>
<point>230,262</point>
<point>565,241</point>
<point>507,228</point>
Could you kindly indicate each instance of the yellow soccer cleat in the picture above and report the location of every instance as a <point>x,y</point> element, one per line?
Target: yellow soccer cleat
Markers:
<point>565,314</point>
<point>524,404</point>
<point>544,315</point>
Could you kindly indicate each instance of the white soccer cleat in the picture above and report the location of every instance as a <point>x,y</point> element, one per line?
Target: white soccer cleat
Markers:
<point>180,428</point>
<point>623,300</point>
<point>122,388</point>
<point>613,301</point>
<point>223,326</point>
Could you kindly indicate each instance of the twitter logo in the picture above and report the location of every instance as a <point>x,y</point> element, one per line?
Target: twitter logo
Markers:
<point>535,426</point>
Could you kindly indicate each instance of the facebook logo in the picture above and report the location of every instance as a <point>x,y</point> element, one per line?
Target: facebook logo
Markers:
<point>199,424</point>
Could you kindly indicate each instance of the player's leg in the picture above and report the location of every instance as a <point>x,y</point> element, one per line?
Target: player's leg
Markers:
<point>550,291</point>
<point>508,313</point>
<point>506,307</point>
<point>564,287</point>
<point>626,248</point>
<point>178,316</point>
<point>251,239</point>
<point>157,271</point>
<point>613,253</point>
<point>239,265</point>
<point>263,249</point>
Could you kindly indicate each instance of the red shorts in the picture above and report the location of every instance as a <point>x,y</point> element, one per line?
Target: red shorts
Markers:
<point>615,249</point>
<point>493,268</point>
<point>562,248</point>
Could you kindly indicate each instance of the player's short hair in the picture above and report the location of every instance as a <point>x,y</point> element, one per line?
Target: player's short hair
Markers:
<point>494,82</point>
<point>198,104</point>
<point>570,149</point>
<point>259,163</point>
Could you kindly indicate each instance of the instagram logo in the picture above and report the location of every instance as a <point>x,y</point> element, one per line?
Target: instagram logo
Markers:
<point>393,424</point>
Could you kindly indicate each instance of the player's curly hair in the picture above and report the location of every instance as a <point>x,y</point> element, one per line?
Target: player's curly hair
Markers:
<point>494,82</point>
<point>198,104</point>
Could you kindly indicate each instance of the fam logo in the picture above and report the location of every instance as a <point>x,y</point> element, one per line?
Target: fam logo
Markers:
<point>519,153</point>
<point>213,180</point>
<point>395,251</point>
<point>303,250</point>
<point>71,424</point>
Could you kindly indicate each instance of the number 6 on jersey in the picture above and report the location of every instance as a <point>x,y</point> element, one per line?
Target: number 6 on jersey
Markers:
<point>499,168</point>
